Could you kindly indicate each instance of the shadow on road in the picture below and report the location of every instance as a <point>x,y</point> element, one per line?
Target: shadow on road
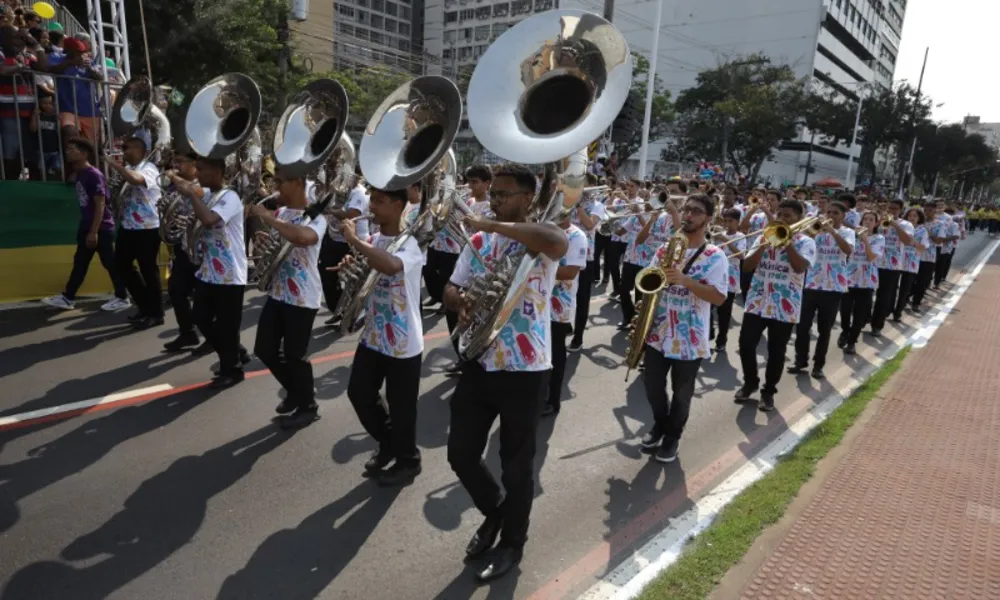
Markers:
<point>158,519</point>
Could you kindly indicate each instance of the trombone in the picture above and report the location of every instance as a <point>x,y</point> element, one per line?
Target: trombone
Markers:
<point>658,207</point>
<point>777,234</point>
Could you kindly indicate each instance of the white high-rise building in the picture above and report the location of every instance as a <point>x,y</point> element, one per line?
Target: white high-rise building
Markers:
<point>844,44</point>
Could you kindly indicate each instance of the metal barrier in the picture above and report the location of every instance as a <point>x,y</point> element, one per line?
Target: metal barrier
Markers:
<point>35,156</point>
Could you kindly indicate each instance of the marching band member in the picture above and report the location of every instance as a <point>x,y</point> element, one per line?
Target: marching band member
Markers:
<point>602,239</point>
<point>953,233</point>
<point>335,248</point>
<point>724,311</point>
<point>755,219</point>
<point>826,284</point>
<point>222,275</point>
<point>509,379</point>
<point>286,322</point>
<point>774,304</point>
<point>937,226</point>
<point>862,281</point>
<point>96,231</point>
<point>391,345</point>
<point>920,244</point>
<point>618,245</point>
<point>180,286</point>
<point>569,277</point>
<point>852,218</point>
<point>644,233</point>
<point>678,339</point>
<point>588,217</point>
<point>890,272</point>
<point>138,235</point>
<point>479,177</point>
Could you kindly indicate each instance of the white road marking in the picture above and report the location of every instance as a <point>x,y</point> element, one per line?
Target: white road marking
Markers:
<point>55,410</point>
<point>634,573</point>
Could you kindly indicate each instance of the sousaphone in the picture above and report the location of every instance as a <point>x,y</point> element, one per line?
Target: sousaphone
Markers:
<point>304,138</point>
<point>407,139</point>
<point>544,90</point>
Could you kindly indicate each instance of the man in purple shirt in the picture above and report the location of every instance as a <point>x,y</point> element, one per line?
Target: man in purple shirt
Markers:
<point>96,231</point>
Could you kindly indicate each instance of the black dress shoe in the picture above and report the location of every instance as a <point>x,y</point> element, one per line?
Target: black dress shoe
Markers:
<point>797,369</point>
<point>332,321</point>
<point>399,474</point>
<point>744,394</point>
<point>454,370</point>
<point>499,562</point>
<point>227,380</point>
<point>285,406</point>
<point>378,460</point>
<point>484,537</point>
<point>652,438</point>
<point>766,402</point>
<point>135,318</point>
<point>245,356</point>
<point>203,349</point>
<point>303,416</point>
<point>182,342</point>
<point>148,322</point>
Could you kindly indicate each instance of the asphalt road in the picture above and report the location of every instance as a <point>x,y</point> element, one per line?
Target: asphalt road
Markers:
<point>197,495</point>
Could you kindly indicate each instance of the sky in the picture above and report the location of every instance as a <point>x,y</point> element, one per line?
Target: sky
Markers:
<point>962,36</point>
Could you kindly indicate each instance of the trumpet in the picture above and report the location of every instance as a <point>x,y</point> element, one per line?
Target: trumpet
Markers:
<point>753,202</point>
<point>658,207</point>
<point>886,221</point>
<point>817,227</point>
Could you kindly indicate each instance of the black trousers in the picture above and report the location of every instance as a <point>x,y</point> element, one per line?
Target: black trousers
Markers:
<point>906,283</point>
<point>746,278</point>
<point>105,250</point>
<point>283,335</point>
<point>885,297</point>
<point>438,271</point>
<point>778,334</point>
<point>393,422</point>
<point>943,266</point>
<point>669,417</point>
<point>180,288</point>
<point>140,246</point>
<point>559,331</point>
<point>218,312</point>
<point>724,313</point>
<point>330,255</point>
<point>626,291</point>
<point>855,312</point>
<point>612,262</point>
<point>480,397</point>
<point>822,306</point>
<point>602,245</point>
<point>922,282</point>
<point>583,291</point>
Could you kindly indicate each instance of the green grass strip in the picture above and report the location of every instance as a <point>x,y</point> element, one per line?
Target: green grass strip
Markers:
<point>708,557</point>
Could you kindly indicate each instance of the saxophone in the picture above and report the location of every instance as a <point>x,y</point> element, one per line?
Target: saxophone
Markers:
<point>651,282</point>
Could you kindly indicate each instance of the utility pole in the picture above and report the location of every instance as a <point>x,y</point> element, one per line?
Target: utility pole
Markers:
<point>908,173</point>
<point>650,84</point>
<point>936,177</point>
<point>809,161</point>
<point>854,139</point>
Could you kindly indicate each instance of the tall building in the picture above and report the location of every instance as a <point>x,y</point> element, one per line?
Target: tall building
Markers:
<point>387,33</point>
<point>312,34</point>
<point>843,44</point>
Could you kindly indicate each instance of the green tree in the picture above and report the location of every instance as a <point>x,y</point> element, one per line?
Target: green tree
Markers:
<point>889,119</point>
<point>949,153</point>
<point>366,89</point>
<point>661,116</point>
<point>740,110</point>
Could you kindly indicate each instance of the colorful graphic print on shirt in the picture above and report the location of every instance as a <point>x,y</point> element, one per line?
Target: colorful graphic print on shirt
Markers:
<point>564,291</point>
<point>861,272</point>
<point>776,290</point>
<point>829,272</point>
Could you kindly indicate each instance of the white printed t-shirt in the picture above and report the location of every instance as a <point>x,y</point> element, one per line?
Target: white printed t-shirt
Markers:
<point>776,290</point>
<point>224,254</point>
<point>829,272</point>
<point>524,343</point>
<point>140,211</point>
<point>357,200</point>
<point>392,316</point>
<point>297,281</point>
<point>564,291</point>
<point>680,327</point>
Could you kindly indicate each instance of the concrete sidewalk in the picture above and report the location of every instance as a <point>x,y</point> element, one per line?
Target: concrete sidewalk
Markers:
<point>909,505</point>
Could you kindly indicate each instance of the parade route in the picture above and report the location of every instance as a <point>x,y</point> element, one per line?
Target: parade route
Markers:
<point>123,476</point>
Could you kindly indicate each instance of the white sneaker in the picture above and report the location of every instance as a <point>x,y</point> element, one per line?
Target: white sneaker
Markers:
<point>59,301</point>
<point>116,304</point>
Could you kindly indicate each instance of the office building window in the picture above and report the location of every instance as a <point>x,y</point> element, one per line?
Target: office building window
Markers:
<point>501,10</point>
<point>482,33</point>
<point>361,33</point>
<point>391,26</point>
<point>404,12</point>
<point>466,35</point>
<point>483,13</point>
<point>363,3</point>
<point>404,45</point>
<point>404,28</point>
<point>347,11</point>
<point>449,36</point>
<point>466,14</point>
<point>376,21</point>
<point>378,5</point>
<point>391,8</point>
<point>520,7</point>
<point>499,28</point>
<point>362,16</point>
<point>376,37</point>
<point>450,17</point>
<point>448,53</point>
<point>345,28</point>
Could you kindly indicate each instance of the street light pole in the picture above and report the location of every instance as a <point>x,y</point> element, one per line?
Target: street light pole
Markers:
<point>854,140</point>
<point>650,81</point>
<point>908,173</point>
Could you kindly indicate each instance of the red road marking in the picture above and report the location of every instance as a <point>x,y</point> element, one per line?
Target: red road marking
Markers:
<point>172,392</point>
<point>639,527</point>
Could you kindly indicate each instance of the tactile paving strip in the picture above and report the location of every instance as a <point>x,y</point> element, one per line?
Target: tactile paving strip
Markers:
<point>913,510</point>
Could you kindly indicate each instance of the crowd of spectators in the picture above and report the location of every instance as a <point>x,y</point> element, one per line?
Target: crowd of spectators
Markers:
<point>50,90</point>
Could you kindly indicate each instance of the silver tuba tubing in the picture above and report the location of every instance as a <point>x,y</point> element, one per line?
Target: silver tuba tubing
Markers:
<point>308,133</point>
<point>568,80</point>
<point>407,139</point>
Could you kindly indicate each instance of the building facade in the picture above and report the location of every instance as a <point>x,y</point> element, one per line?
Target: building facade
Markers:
<point>843,44</point>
